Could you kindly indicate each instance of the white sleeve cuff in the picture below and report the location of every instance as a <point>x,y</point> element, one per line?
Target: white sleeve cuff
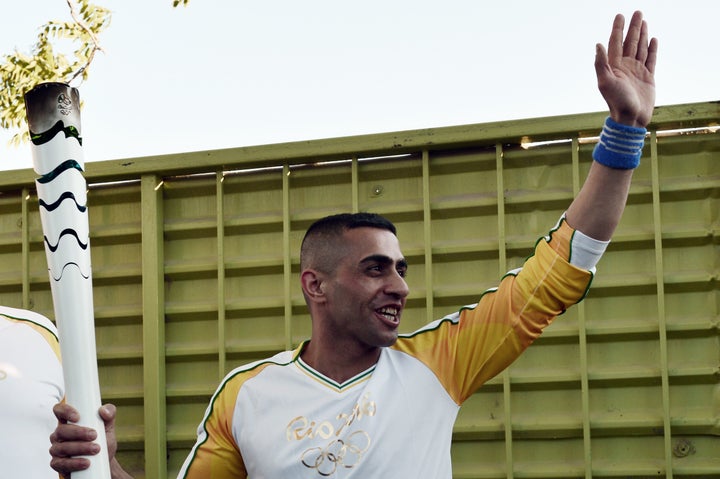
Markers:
<point>585,252</point>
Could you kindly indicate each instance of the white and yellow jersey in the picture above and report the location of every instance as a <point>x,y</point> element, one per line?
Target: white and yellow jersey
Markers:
<point>31,383</point>
<point>279,418</point>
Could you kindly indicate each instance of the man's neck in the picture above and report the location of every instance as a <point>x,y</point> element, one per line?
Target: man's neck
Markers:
<point>338,362</point>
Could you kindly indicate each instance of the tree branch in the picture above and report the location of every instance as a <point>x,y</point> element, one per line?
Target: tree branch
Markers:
<point>96,43</point>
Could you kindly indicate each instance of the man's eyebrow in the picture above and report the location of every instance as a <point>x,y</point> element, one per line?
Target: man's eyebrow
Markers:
<point>385,260</point>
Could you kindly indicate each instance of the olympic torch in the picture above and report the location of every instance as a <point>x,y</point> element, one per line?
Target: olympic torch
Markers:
<point>53,113</point>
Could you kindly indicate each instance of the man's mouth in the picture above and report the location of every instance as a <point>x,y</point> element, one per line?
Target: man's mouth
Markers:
<point>390,313</point>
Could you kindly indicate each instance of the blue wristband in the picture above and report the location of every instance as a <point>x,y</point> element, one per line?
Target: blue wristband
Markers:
<point>620,146</point>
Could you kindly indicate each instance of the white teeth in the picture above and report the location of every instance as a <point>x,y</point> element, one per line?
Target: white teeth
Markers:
<point>389,312</point>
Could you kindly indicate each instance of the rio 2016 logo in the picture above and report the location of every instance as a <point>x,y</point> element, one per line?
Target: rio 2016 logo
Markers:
<point>344,450</point>
<point>347,453</point>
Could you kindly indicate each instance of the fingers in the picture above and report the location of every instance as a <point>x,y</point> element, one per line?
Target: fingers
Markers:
<point>70,440</point>
<point>72,432</point>
<point>107,413</point>
<point>66,413</point>
<point>73,440</point>
<point>615,45</point>
<point>636,45</point>
<point>601,61</point>
<point>66,466</point>
<point>642,46</point>
<point>632,39</point>
<point>652,55</point>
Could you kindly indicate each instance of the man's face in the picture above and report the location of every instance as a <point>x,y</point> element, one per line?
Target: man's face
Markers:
<point>367,292</point>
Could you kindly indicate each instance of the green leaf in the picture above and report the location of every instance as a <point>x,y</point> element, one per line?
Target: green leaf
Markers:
<point>21,72</point>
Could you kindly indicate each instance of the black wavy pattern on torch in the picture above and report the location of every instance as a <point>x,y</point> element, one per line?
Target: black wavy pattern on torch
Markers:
<point>66,231</point>
<point>62,271</point>
<point>65,165</point>
<point>63,197</point>
<point>59,126</point>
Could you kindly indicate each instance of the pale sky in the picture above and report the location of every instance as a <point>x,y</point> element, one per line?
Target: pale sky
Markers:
<point>232,73</point>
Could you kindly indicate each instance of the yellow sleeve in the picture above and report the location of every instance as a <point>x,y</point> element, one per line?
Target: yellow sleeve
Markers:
<point>216,455</point>
<point>467,349</point>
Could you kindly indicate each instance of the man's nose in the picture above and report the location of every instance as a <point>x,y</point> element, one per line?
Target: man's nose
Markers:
<point>398,286</point>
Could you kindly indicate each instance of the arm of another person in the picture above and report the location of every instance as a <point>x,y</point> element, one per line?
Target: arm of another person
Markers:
<point>625,74</point>
<point>70,440</point>
<point>215,453</point>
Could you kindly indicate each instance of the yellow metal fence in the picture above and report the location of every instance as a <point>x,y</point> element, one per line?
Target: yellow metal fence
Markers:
<point>195,260</point>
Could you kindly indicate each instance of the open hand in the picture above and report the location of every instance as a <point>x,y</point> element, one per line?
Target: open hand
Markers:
<point>626,72</point>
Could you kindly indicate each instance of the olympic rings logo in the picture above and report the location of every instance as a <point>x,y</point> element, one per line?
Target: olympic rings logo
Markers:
<point>345,453</point>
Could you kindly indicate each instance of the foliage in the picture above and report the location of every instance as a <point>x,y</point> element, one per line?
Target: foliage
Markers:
<point>21,72</point>
<point>47,62</point>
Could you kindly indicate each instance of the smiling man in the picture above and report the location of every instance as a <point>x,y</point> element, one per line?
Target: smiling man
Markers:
<point>358,399</point>
<point>353,282</point>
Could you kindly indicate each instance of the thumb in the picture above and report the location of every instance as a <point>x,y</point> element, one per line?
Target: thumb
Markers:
<point>602,66</point>
<point>107,413</point>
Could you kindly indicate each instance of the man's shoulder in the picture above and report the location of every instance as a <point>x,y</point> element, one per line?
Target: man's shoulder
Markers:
<point>252,369</point>
<point>35,321</point>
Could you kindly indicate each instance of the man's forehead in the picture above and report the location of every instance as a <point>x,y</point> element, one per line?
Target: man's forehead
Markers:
<point>374,241</point>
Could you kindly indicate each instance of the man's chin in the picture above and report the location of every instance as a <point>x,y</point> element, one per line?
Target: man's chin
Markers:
<point>390,340</point>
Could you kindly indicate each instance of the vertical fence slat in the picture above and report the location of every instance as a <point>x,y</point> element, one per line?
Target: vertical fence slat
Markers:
<point>427,234</point>
<point>220,215</point>
<point>25,238</point>
<point>662,326</point>
<point>153,306</point>
<point>582,338</point>
<point>287,264</point>
<point>355,181</point>
<point>502,268</point>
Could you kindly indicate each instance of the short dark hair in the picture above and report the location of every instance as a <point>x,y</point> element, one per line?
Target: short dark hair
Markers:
<point>336,224</point>
<point>319,233</point>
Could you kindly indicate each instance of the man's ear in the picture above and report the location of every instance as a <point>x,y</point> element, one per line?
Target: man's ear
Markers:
<point>312,285</point>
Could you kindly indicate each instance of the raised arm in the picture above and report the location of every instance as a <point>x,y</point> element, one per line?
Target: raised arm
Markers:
<point>625,75</point>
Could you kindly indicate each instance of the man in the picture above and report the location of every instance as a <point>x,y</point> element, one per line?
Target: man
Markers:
<point>360,400</point>
<point>31,382</point>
